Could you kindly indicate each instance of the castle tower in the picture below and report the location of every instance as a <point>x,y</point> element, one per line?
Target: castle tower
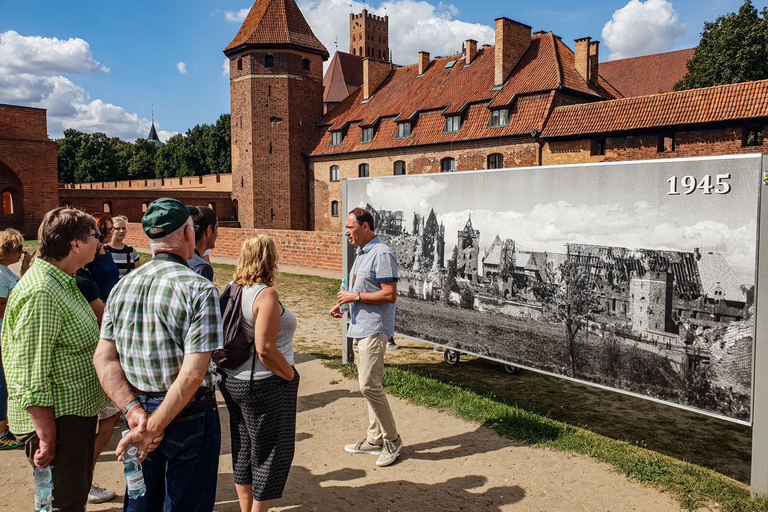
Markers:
<point>651,301</point>
<point>369,36</point>
<point>276,94</point>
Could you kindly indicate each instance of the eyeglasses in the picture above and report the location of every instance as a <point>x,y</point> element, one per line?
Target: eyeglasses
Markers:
<point>196,226</point>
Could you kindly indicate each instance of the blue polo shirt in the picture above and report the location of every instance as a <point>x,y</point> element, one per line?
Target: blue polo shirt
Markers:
<point>374,264</point>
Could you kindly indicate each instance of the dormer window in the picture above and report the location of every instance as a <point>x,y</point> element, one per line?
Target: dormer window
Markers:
<point>452,124</point>
<point>336,138</point>
<point>499,118</point>
<point>367,135</point>
<point>403,130</point>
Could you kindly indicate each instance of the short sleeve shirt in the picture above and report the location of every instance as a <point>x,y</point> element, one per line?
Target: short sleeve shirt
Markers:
<point>49,337</point>
<point>202,267</point>
<point>155,315</point>
<point>125,259</point>
<point>374,264</point>
<point>7,281</point>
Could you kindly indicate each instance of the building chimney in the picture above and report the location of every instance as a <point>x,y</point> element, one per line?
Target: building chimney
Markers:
<point>470,50</point>
<point>584,58</point>
<point>374,72</point>
<point>512,39</point>
<point>423,62</point>
<point>593,49</point>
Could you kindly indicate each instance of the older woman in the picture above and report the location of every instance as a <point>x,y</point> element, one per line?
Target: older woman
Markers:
<point>103,268</point>
<point>11,251</point>
<point>261,393</point>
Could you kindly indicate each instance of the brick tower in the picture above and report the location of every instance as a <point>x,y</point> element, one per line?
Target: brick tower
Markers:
<point>369,36</point>
<point>276,92</point>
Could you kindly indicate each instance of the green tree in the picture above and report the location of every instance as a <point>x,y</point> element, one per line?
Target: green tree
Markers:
<point>732,49</point>
<point>67,149</point>
<point>96,159</point>
<point>142,162</point>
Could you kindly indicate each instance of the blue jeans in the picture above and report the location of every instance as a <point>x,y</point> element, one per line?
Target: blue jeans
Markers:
<point>181,473</point>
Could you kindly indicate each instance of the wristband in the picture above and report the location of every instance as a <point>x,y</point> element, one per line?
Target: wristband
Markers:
<point>130,406</point>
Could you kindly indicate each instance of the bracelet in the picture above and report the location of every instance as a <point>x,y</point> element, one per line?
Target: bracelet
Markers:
<point>130,406</point>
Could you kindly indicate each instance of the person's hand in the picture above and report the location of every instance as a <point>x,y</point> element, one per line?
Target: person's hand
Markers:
<point>44,454</point>
<point>336,311</point>
<point>345,297</point>
<point>27,260</point>
<point>144,441</point>
<point>137,418</point>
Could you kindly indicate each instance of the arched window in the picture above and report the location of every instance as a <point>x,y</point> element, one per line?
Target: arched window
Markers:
<point>234,209</point>
<point>334,173</point>
<point>495,161</point>
<point>7,203</point>
<point>239,64</point>
<point>334,208</point>
<point>144,207</point>
<point>362,170</point>
<point>212,206</point>
<point>399,168</point>
<point>107,206</point>
<point>447,164</point>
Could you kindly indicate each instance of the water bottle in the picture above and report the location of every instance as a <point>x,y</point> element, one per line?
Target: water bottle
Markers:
<point>43,489</point>
<point>134,476</point>
<point>344,307</point>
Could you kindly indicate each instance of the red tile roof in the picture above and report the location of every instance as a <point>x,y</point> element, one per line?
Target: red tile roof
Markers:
<point>276,22</point>
<point>732,102</point>
<point>344,76</point>
<point>650,74</point>
<point>546,66</point>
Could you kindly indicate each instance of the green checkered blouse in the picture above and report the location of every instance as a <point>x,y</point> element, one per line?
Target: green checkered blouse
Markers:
<point>155,315</point>
<point>49,336</point>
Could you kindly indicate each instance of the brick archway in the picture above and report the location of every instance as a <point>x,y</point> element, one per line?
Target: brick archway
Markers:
<point>12,193</point>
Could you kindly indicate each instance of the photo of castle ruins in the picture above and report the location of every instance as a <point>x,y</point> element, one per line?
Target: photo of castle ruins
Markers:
<point>672,325</point>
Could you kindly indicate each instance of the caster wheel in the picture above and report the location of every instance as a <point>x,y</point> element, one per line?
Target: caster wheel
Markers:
<point>451,356</point>
<point>512,369</point>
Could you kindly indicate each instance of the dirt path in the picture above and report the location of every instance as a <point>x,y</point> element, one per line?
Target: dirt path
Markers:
<point>447,464</point>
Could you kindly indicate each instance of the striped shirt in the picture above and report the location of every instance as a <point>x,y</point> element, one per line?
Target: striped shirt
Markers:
<point>158,313</point>
<point>124,258</point>
<point>48,340</point>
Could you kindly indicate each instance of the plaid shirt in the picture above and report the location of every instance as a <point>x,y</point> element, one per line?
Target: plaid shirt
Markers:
<point>155,315</point>
<point>49,336</point>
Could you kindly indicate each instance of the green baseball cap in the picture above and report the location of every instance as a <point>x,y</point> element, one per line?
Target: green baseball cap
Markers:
<point>166,213</point>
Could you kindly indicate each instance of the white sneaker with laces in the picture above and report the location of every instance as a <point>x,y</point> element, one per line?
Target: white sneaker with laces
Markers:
<point>99,494</point>
<point>390,451</point>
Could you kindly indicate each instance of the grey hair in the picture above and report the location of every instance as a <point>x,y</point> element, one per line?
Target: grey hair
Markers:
<point>168,243</point>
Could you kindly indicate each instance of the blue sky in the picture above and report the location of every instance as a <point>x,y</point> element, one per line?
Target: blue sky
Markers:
<point>100,66</point>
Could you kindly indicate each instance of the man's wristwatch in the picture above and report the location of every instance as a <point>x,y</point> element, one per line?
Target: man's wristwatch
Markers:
<point>357,297</point>
<point>130,406</point>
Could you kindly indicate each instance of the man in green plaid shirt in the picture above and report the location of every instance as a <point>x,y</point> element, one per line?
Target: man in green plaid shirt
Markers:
<point>160,325</point>
<point>48,341</point>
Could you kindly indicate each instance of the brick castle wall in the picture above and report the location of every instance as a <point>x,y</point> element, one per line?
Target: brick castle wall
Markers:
<point>315,249</point>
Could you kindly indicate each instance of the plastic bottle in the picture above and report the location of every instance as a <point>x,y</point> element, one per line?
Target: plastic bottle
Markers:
<point>344,307</point>
<point>134,476</point>
<point>43,489</point>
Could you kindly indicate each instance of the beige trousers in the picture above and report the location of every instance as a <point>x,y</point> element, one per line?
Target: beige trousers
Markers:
<point>369,358</point>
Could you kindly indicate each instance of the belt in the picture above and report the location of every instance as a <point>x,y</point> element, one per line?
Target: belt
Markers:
<point>201,392</point>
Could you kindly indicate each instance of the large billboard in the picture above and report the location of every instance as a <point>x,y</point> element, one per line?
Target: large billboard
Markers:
<point>635,276</point>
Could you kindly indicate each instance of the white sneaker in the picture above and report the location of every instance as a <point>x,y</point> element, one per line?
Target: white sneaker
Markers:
<point>392,345</point>
<point>363,447</point>
<point>390,451</point>
<point>99,494</point>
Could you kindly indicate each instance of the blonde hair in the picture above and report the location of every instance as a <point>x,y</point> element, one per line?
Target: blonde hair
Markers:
<point>119,218</point>
<point>257,263</point>
<point>10,240</point>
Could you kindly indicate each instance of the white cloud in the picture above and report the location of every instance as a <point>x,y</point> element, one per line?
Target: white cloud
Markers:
<point>236,16</point>
<point>413,26</point>
<point>182,67</point>
<point>45,55</point>
<point>642,28</point>
<point>31,74</point>
<point>225,67</point>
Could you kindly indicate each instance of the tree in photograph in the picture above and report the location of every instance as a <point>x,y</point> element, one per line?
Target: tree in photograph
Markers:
<point>467,299</point>
<point>567,296</point>
<point>732,49</point>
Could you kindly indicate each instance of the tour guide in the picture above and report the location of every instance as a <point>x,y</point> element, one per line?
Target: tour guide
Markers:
<point>372,296</point>
<point>160,325</point>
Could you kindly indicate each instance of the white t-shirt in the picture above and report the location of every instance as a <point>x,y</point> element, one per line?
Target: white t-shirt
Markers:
<point>7,281</point>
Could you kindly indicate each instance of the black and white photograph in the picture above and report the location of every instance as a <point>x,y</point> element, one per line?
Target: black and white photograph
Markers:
<point>637,276</point>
